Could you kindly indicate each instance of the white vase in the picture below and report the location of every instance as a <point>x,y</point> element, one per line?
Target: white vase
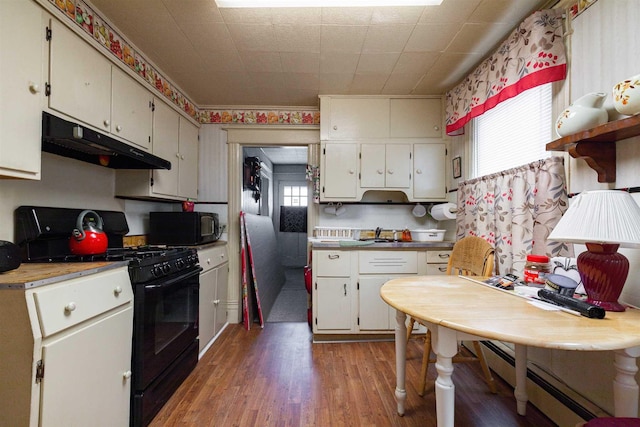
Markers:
<point>626,96</point>
<point>585,113</point>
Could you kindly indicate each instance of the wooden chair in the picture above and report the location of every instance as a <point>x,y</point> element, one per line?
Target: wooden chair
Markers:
<point>471,256</point>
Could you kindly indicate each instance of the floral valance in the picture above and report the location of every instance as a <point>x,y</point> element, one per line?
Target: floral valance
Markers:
<point>534,54</point>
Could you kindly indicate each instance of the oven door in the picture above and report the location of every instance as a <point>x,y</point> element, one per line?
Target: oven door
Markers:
<point>165,323</point>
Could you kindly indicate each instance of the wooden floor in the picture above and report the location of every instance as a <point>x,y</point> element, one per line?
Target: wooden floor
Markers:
<point>277,377</point>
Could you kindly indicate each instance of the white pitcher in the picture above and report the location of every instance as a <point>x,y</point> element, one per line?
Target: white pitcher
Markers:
<point>585,113</point>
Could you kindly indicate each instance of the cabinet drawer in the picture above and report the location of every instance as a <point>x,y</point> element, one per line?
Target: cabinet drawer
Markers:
<point>70,303</point>
<point>212,257</point>
<point>435,269</point>
<point>333,263</point>
<point>438,256</point>
<point>375,262</point>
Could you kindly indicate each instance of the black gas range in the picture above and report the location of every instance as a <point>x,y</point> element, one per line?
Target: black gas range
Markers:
<point>166,286</point>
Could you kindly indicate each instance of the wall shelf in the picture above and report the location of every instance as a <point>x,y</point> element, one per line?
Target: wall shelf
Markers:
<point>597,146</point>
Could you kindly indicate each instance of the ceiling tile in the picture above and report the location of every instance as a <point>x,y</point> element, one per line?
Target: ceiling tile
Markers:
<point>207,38</point>
<point>297,15</point>
<point>448,71</point>
<point>189,12</point>
<point>431,37</point>
<point>396,15</point>
<point>474,38</point>
<point>297,38</point>
<point>246,16</point>
<point>504,11</point>
<point>274,80</point>
<point>343,38</point>
<point>253,37</point>
<point>367,84</point>
<point>449,12</point>
<point>300,62</point>
<point>415,62</point>
<point>335,83</point>
<point>377,63</point>
<point>310,81</point>
<point>223,62</point>
<point>387,38</point>
<point>261,62</point>
<point>336,62</point>
<point>401,83</point>
<point>346,15</point>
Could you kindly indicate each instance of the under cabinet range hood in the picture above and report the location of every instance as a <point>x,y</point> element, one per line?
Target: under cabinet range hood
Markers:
<point>72,140</point>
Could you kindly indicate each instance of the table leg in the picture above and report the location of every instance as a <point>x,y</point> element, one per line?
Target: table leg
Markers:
<point>520,391</point>
<point>625,387</point>
<point>445,345</point>
<point>401,360</point>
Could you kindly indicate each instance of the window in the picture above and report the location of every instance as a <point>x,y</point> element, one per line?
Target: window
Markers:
<point>295,195</point>
<point>513,133</point>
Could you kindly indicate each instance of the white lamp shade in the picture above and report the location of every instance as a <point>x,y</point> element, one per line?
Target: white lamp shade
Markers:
<point>604,216</point>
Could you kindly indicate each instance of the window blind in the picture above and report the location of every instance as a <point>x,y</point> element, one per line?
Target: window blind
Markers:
<point>513,133</point>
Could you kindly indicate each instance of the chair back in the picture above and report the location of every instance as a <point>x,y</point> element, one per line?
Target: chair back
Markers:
<point>471,256</point>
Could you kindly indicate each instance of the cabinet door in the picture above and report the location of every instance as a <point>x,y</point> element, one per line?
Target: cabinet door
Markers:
<point>372,165</point>
<point>131,115</point>
<point>374,312</point>
<point>220,302</point>
<point>21,44</point>
<point>415,118</point>
<point>86,378</point>
<point>165,144</point>
<point>207,307</point>
<point>333,304</point>
<point>356,118</point>
<point>398,166</point>
<point>188,164</point>
<point>80,79</point>
<point>429,181</point>
<point>338,171</point>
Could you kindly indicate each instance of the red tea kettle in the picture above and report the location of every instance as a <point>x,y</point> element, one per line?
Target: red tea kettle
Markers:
<point>88,239</point>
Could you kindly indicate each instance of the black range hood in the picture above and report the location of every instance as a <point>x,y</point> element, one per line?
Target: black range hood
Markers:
<point>72,140</point>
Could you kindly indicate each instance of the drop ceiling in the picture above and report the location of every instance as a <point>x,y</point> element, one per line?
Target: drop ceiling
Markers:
<point>289,56</point>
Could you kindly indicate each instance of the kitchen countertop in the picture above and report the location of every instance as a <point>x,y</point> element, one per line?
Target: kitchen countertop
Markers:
<point>366,245</point>
<point>32,275</point>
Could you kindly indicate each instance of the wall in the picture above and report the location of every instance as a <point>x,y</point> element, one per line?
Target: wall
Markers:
<point>72,184</point>
<point>600,56</point>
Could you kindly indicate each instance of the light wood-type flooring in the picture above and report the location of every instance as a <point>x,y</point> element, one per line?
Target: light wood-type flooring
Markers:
<point>277,377</point>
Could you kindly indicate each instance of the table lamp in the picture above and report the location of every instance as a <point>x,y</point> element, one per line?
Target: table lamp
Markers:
<point>602,220</point>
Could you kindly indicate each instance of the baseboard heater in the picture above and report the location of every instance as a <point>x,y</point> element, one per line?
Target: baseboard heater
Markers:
<point>545,385</point>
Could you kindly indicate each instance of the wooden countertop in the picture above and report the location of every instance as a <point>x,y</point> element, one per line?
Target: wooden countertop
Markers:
<point>31,275</point>
<point>463,305</point>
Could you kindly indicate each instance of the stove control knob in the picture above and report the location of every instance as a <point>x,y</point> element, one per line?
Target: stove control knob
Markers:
<point>157,271</point>
<point>180,263</point>
<point>166,269</point>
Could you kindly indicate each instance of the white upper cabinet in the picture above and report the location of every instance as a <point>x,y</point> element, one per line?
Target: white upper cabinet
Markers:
<point>376,117</point>
<point>131,110</point>
<point>429,179</point>
<point>385,165</point>
<point>80,79</point>
<point>339,171</point>
<point>354,118</point>
<point>188,160</point>
<point>21,88</point>
<point>166,131</point>
<point>415,118</point>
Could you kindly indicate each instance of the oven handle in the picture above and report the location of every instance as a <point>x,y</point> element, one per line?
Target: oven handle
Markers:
<point>175,280</point>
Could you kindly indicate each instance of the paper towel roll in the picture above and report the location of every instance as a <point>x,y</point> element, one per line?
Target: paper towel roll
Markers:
<point>444,211</point>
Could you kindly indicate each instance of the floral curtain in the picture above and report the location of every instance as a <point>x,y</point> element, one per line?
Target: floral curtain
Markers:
<point>534,54</point>
<point>515,210</point>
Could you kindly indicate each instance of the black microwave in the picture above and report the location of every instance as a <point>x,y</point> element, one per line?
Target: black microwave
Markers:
<point>183,228</point>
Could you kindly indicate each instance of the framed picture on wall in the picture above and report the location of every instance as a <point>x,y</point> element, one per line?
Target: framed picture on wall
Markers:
<point>457,167</point>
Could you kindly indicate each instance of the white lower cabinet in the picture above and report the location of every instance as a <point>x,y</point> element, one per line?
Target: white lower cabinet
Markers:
<point>333,294</point>
<point>437,261</point>
<point>66,352</point>
<point>213,294</point>
<point>346,292</point>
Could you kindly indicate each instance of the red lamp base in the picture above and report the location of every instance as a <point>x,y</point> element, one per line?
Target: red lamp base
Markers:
<point>603,272</point>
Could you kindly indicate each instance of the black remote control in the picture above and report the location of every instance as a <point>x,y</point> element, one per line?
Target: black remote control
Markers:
<point>584,308</point>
